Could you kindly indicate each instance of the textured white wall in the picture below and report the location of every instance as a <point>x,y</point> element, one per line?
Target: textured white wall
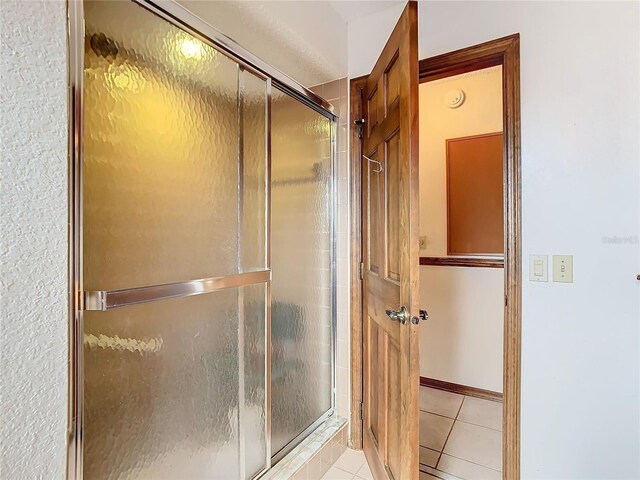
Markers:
<point>580,83</point>
<point>33,335</point>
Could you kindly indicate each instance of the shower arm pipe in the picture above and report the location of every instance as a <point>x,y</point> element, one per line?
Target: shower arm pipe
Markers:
<point>103,300</point>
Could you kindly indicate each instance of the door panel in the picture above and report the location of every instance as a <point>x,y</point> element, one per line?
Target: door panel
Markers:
<point>174,189</point>
<point>390,250</point>
<point>392,162</point>
<point>376,191</point>
<point>162,383</point>
<point>392,84</point>
<point>301,312</point>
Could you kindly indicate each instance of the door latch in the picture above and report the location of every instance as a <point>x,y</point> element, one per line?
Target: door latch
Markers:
<point>423,315</point>
<point>359,123</point>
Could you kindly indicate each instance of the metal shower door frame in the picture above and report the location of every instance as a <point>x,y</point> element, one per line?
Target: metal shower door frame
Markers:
<point>79,300</point>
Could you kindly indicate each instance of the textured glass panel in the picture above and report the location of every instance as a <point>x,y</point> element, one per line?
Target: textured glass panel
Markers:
<point>161,389</point>
<point>163,386</point>
<point>253,417</point>
<point>254,171</point>
<point>301,261</point>
<point>174,189</point>
<point>160,152</point>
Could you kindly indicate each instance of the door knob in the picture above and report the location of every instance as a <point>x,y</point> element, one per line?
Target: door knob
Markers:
<point>401,315</point>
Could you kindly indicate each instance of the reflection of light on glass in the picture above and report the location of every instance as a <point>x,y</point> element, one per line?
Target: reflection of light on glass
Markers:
<point>191,48</point>
<point>121,80</point>
<point>125,77</point>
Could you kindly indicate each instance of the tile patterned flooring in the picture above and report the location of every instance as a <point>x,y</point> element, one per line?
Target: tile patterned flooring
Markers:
<point>460,436</point>
<point>350,466</point>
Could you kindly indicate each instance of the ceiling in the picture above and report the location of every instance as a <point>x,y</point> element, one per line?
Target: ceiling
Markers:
<point>353,9</point>
<point>306,39</point>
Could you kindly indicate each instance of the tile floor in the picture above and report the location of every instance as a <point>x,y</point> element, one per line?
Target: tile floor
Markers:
<point>350,466</point>
<point>460,436</point>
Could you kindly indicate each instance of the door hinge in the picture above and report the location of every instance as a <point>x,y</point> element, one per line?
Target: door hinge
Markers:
<point>506,300</point>
<point>359,123</point>
<point>361,270</point>
<point>361,411</point>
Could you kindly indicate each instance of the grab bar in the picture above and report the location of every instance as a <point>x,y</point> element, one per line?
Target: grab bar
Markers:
<point>102,300</point>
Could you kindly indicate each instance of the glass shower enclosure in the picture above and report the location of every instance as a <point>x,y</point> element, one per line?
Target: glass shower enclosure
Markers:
<point>203,207</point>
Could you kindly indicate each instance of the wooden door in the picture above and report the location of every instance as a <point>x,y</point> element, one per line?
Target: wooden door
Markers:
<point>390,256</point>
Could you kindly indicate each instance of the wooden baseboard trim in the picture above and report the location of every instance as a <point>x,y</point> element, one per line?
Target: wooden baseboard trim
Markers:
<point>461,389</point>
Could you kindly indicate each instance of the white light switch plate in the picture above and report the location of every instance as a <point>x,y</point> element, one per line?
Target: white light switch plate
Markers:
<point>538,268</point>
<point>563,268</point>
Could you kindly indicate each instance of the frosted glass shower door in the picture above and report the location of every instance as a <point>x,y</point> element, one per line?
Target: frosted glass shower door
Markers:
<point>174,252</point>
<point>301,257</point>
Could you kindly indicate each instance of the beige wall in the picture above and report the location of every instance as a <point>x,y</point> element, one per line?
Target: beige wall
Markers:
<point>462,341</point>
<point>480,113</point>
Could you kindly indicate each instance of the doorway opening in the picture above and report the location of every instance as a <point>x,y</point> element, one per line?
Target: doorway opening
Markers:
<point>483,242</point>
<point>461,274</point>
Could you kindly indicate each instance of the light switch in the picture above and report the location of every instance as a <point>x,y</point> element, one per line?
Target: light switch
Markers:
<point>538,268</point>
<point>563,268</point>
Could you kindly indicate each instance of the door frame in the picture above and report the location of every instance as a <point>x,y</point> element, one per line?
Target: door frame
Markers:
<point>503,51</point>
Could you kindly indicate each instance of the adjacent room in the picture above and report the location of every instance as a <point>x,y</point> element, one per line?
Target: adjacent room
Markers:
<point>461,273</point>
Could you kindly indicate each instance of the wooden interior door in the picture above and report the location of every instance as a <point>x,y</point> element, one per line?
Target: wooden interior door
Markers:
<point>390,256</point>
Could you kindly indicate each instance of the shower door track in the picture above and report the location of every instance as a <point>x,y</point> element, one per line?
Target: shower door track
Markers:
<point>80,301</point>
<point>301,436</point>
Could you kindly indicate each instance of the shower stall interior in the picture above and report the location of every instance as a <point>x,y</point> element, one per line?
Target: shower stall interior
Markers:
<point>203,246</point>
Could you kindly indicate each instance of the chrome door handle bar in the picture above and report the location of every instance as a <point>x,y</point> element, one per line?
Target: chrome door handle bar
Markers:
<point>109,299</point>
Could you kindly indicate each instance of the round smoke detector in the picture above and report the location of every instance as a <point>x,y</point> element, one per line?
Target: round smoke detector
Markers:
<point>454,98</point>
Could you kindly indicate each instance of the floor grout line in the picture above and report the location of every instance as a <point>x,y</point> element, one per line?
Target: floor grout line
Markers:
<point>441,452</point>
<point>437,414</point>
<point>434,472</point>
<point>444,445</point>
<point>469,461</point>
<point>346,471</point>
<point>478,425</point>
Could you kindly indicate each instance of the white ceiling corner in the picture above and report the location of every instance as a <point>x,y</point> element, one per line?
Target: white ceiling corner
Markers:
<point>304,39</point>
<point>351,10</point>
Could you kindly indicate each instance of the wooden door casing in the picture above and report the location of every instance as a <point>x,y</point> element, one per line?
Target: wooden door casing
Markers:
<point>390,255</point>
